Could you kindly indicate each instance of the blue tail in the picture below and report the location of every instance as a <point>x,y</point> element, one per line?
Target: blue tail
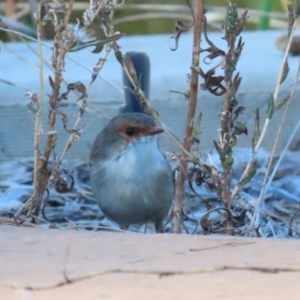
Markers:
<point>141,64</point>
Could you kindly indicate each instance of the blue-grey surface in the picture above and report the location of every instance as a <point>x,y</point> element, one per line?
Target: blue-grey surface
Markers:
<point>259,67</point>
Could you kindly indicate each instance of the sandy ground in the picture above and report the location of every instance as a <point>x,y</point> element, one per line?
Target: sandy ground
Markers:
<point>52,264</point>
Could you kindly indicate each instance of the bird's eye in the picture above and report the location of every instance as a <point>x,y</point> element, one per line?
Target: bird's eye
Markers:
<point>129,131</point>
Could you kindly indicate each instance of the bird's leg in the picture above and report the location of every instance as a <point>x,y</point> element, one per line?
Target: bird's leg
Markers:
<point>123,227</point>
<point>159,227</point>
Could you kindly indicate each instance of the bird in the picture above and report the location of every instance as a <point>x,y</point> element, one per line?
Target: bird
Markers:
<point>131,179</point>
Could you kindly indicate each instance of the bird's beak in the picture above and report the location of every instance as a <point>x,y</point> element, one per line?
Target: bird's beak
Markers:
<point>154,130</point>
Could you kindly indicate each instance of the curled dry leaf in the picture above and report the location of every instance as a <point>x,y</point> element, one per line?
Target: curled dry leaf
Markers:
<point>180,27</point>
<point>76,86</point>
<point>62,186</point>
<point>212,83</point>
<point>212,49</point>
<point>239,128</point>
<point>236,112</point>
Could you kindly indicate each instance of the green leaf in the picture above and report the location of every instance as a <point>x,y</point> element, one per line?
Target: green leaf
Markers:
<point>271,107</point>
<point>257,131</point>
<point>285,72</point>
<point>249,175</point>
<point>228,162</point>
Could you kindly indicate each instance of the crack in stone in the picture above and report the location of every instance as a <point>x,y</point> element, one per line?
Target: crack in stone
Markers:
<point>161,274</point>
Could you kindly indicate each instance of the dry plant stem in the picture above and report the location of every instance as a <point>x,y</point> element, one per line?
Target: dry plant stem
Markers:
<point>37,123</point>
<point>103,60</point>
<point>58,64</point>
<point>267,121</point>
<point>179,189</point>
<point>10,7</point>
<point>267,182</point>
<point>79,115</point>
<point>58,78</point>
<point>41,173</point>
<point>50,67</point>
<point>40,103</point>
<point>226,195</point>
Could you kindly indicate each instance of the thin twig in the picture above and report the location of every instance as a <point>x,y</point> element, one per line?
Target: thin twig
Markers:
<point>268,179</point>
<point>267,121</point>
<point>79,115</point>
<point>154,114</point>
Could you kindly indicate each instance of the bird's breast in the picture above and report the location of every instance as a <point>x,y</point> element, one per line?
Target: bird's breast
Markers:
<point>135,186</point>
<point>139,160</point>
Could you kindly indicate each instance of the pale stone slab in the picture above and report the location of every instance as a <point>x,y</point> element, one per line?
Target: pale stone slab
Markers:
<point>136,266</point>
